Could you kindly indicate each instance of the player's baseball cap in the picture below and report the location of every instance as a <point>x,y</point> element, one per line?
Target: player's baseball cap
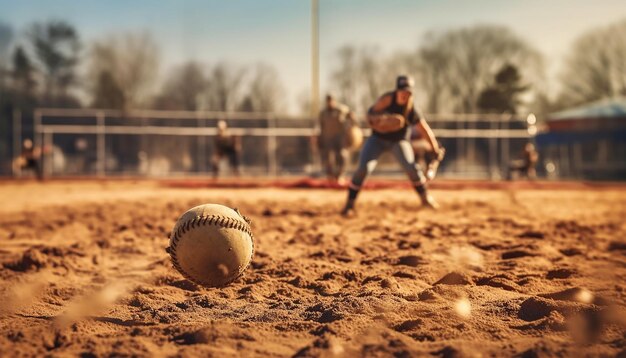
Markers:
<point>405,82</point>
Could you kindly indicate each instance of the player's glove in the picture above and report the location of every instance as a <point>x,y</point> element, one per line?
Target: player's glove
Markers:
<point>386,122</point>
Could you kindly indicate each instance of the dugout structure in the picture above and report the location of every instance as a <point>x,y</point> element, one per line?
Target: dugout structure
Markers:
<point>587,142</point>
<point>93,142</point>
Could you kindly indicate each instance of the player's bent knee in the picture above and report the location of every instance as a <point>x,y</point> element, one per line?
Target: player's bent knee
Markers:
<point>370,166</point>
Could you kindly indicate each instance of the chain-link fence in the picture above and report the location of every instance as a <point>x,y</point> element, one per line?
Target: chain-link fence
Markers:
<point>88,142</point>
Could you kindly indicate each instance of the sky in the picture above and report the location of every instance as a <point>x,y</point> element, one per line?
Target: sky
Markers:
<point>278,32</point>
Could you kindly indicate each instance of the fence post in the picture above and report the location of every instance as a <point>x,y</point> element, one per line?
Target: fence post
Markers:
<point>17,140</point>
<point>38,138</point>
<point>47,166</point>
<point>272,146</point>
<point>100,143</point>
<point>201,148</point>
<point>460,152</point>
<point>493,154</point>
<point>471,148</point>
<point>506,148</point>
<point>577,160</point>
<point>564,161</point>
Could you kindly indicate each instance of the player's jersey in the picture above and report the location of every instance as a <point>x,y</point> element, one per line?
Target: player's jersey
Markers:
<point>333,122</point>
<point>28,153</point>
<point>413,117</point>
<point>530,158</point>
<point>225,143</point>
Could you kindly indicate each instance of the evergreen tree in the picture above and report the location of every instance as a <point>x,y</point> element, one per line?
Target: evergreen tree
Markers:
<point>503,95</point>
<point>56,45</point>
<point>23,74</point>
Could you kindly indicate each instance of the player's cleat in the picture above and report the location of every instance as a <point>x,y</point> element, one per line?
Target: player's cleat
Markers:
<point>348,210</point>
<point>429,202</point>
<point>430,173</point>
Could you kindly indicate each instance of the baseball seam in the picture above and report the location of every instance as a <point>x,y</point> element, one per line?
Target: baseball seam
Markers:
<point>204,220</point>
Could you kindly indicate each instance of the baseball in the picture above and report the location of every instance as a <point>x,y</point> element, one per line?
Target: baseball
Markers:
<point>211,245</point>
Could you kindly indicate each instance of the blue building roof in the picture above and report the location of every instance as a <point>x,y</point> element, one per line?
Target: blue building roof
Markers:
<point>607,108</point>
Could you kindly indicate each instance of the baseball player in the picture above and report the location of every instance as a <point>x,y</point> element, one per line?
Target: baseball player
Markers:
<point>526,165</point>
<point>391,118</point>
<point>332,139</point>
<point>29,159</point>
<point>226,145</point>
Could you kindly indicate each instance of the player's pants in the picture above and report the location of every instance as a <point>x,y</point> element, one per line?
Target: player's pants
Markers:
<point>334,155</point>
<point>233,159</point>
<point>522,167</point>
<point>35,166</point>
<point>373,148</point>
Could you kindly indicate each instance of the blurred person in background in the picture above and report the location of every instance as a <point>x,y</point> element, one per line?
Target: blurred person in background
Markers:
<point>525,166</point>
<point>354,134</point>
<point>226,145</point>
<point>29,159</point>
<point>332,139</point>
<point>391,118</point>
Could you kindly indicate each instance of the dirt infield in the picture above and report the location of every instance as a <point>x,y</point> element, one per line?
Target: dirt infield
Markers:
<point>495,272</point>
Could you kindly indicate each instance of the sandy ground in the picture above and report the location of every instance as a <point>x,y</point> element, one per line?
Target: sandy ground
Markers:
<point>494,273</point>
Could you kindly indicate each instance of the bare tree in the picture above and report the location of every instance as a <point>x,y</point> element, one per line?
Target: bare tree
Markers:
<point>371,75</point>
<point>363,74</point>
<point>360,76</point>
<point>457,65</point>
<point>131,60</point>
<point>345,78</point>
<point>433,77</point>
<point>265,90</point>
<point>183,89</point>
<point>224,87</point>
<point>452,67</point>
<point>108,93</point>
<point>304,102</point>
<point>596,67</point>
